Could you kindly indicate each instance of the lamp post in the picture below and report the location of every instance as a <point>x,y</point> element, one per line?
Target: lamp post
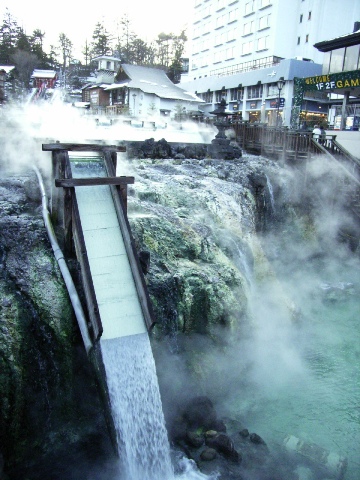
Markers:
<point>280,85</point>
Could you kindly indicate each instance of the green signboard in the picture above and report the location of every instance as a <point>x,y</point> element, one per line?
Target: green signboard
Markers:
<point>321,83</point>
<point>332,81</point>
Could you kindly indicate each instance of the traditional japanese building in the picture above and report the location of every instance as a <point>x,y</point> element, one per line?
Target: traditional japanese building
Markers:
<point>140,92</point>
<point>44,78</point>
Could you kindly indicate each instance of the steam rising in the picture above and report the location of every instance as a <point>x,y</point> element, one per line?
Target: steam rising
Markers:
<point>292,368</point>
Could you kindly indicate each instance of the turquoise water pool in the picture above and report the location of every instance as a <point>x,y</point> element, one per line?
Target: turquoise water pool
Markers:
<point>304,378</point>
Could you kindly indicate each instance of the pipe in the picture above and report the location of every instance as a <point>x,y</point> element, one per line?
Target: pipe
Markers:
<point>80,316</point>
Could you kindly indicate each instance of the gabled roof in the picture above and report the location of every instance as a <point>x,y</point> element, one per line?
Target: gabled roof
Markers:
<point>7,68</point>
<point>106,57</point>
<point>152,80</point>
<point>43,74</point>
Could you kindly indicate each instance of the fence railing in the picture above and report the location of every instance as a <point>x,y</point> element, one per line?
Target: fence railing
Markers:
<point>284,144</point>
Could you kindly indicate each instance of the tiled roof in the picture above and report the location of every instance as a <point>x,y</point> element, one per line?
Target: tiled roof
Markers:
<point>7,68</point>
<point>155,81</point>
<point>43,74</point>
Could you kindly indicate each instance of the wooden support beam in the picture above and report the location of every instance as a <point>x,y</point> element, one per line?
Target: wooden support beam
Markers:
<point>81,182</point>
<point>68,206</point>
<point>78,147</point>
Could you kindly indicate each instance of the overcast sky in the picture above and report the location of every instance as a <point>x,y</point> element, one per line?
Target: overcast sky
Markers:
<point>78,19</point>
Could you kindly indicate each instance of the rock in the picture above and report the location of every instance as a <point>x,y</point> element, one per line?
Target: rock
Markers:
<point>255,438</point>
<point>194,439</point>
<point>208,454</point>
<point>219,425</point>
<point>200,413</point>
<point>224,445</point>
<point>244,433</point>
<point>144,258</point>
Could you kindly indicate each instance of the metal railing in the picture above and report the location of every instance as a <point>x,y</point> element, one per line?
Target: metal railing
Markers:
<point>246,66</point>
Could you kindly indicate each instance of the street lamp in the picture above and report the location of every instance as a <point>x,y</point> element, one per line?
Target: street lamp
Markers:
<point>280,85</point>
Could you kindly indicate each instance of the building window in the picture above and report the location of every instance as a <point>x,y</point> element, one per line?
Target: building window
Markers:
<point>337,60</point>
<point>218,56</point>
<point>255,91</point>
<point>231,35</point>
<point>301,18</point>
<point>236,93</point>
<point>307,38</point>
<point>229,53</point>
<point>233,15</point>
<point>219,95</point>
<point>220,21</point>
<point>249,7</point>
<point>264,3</point>
<point>247,48</point>
<point>262,43</point>
<point>248,28</point>
<point>309,16</point>
<point>298,42</point>
<point>264,22</point>
<point>326,63</point>
<point>273,90</point>
<point>351,58</point>
<point>207,97</point>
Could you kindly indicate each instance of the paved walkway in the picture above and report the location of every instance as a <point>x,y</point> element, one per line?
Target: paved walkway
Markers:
<point>349,140</point>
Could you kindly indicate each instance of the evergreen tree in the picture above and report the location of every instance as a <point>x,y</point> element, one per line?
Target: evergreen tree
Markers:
<point>141,53</point>
<point>178,47</point>
<point>52,58</point>
<point>125,39</point>
<point>22,42</point>
<point>36,42</point>
<point>101,44</point>
<point>163,53</point>
<point>9,34</point>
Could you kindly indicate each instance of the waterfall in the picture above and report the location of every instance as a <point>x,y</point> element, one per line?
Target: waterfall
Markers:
<point>271,194</point>
<point>144,448</point>
<point>243,263</point>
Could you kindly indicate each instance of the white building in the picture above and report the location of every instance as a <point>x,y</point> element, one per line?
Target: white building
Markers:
<point>226,34</point>
<point>140,92</point>
<point>230,39</point>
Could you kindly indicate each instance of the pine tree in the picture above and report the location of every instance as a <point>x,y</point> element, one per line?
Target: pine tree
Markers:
<point>36,42</point>
<point>9,34</point>
<point>101,44</point>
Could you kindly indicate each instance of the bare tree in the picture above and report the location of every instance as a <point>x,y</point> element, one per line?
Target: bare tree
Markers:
<point>66,53</point>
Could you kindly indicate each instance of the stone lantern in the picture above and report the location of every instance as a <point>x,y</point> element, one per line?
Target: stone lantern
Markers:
<point>220,147</point>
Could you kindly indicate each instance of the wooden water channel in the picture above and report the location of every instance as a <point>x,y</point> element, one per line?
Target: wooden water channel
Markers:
<point>97,230</point>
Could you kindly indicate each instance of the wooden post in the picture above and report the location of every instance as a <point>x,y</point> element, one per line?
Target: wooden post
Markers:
<point>68,209</point>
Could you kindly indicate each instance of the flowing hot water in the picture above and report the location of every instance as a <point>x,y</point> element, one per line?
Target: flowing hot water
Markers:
<point>136,408</point>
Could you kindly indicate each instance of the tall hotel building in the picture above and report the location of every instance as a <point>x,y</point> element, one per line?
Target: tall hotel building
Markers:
<point>239,49</point>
